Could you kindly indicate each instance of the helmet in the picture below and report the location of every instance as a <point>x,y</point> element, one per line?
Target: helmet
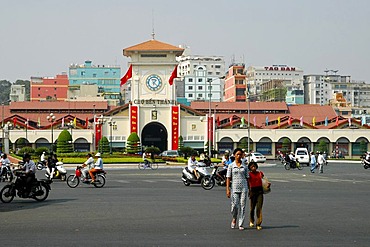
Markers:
<point>97,155</point>
<point>26,156</point>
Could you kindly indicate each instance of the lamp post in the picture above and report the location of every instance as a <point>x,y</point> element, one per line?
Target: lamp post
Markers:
<point>2,127</point>
<point>70,125</point>
<point>26,123</point>
<point>249,120</point>
<point>51,119</point>
<point>111,123</point>
<point>6,128</point>
<point>209,119</point>
<point>94,130</point>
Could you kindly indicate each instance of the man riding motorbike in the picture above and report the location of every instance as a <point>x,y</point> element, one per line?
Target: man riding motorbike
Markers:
<point>29,169</point>
<point>51,163</point>
<point>89,163</point>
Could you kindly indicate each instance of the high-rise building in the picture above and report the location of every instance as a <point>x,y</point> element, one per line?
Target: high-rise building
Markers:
<point>201,78</point>
<point>235,84</point>
<point>49,88</point>
<point>256,75</point>
<point>107,78</point>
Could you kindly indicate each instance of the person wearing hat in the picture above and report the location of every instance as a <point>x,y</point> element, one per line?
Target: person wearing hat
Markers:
<point>255,194</point>
<point>43,157</point>
<point>87,165</point>
<point>97,167</point>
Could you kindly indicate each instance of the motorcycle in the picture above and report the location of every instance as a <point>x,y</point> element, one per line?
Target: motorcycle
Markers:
<point>280,157</point>
<point>74,180</point>
<point>39,190</point>
<point>219,179</point>
<point>206,180</point>
<point>6,173</point>
<point>292,165</point>
<point>365,163</point>
<point>59,172</point>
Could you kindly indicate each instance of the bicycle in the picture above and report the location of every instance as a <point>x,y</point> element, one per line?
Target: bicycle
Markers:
<point>148,164</point>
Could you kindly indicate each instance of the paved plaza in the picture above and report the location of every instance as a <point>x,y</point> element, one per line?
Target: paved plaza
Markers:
<point>154,208</point>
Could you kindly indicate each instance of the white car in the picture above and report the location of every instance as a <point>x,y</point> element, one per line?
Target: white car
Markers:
<point>302,155</point>
<point>256,157</point>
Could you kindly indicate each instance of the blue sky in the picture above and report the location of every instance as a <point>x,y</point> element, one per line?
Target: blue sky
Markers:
<point>42,37</point>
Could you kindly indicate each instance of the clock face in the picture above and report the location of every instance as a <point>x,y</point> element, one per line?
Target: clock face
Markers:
<point>153,82</point>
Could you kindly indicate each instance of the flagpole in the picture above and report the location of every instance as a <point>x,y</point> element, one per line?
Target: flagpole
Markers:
<point>249,126</point>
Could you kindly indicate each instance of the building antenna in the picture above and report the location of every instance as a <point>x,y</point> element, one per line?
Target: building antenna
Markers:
<point>153,33</point>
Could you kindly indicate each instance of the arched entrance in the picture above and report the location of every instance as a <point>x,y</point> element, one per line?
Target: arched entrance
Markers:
<point>154,134</point>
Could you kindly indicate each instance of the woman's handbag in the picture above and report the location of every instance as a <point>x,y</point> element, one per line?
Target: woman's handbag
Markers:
<point>266,185</point>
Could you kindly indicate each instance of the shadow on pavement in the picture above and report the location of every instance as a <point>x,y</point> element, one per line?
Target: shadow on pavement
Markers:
<point>22,204</point>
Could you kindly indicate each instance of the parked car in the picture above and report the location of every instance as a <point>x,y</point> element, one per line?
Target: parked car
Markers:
<point>256,157</point>
<point>302,155</point>
<point>170,153</point>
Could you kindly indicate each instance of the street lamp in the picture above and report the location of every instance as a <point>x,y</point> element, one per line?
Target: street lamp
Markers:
<point>210,124</point>
<point>26,123</point>
<point>249,125</point>
<point>70,125</point>
<point>51,119</point>
<point>2,122</point>
<point>111,123</point>
<point>6,128</point>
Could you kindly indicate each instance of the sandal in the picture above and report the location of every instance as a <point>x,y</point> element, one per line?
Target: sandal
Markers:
<point>233,225</point>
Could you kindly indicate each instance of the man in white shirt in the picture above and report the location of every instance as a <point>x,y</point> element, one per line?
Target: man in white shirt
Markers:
<point>321,160</point>
<point>89,163</point>
<point>192,165</point>
<point>98,166</point>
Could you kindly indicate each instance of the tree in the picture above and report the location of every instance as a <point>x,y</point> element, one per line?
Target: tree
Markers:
<point>64,142</point>
<point>133,143</point>
<point>286,147</point>
<point>181,142</point>
<point>187,151</point>
<point>243,144</point>
<point>322,147</point>
<point>363,146</point>
<point>103,145</point>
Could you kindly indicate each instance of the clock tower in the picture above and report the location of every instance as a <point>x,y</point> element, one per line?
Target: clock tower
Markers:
<point>154,112</point>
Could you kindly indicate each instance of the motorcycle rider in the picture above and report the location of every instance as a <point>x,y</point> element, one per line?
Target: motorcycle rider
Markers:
<point>292,160</point>
<point>192,165</point>
<point>29,169</point>
<point>43,157</point>
<point>97,167</point>
<point>225,163</point>
<point>51,163</point>
<point>367,158</point>
<point>87,166</point>
<point>4,163</point>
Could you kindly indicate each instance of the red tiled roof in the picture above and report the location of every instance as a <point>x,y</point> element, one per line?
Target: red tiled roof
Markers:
<point>254,106</point>
<point>153,45</point>
<point>310,111</point>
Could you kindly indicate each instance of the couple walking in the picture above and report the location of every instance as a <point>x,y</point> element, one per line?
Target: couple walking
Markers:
<point>244,184</point>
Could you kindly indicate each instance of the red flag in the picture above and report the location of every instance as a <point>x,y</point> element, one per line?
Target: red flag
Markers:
<point>14,121</point>
<point>218,121</point>
<point>231,121</point>
<point>173,76</point>
<point>337,121</point>
<point>127,76</point>
<point>290,120</point>
<point>87,123</point>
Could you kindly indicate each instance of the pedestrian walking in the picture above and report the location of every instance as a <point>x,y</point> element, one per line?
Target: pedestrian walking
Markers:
<point>312,162</point>
<point>238,173</point>
<point>321,160</point>
<point>255,195</point>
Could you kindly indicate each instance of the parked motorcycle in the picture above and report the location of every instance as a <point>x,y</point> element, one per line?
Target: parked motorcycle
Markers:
<point>59,172</point>
<point>292,165</point>
<point>39,191</point>
<point>6,173</point>
<point>74,180</point>
<point>206,180</point>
